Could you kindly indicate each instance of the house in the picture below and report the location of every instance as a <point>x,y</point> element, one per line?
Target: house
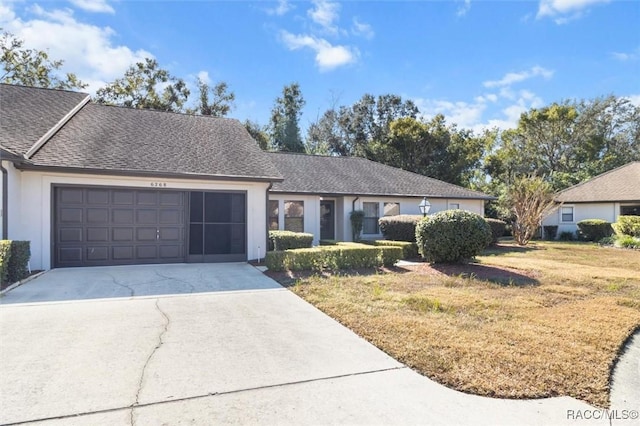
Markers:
<point>606,196</point>
<point>93,185</point>
<point>318,194</point>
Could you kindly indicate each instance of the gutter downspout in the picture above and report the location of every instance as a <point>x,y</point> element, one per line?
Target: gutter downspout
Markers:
<point>266,221</point>
<point>353,208</point>
<point>5,201</point>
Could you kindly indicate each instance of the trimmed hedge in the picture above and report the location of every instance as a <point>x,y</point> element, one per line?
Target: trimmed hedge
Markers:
<point>497,228</point>
<point>550,232</point>
<point>285,240</point>
<point>567,236</point>
<point>594,229</point>
<point>627,225</point>
<point>5,256</point>
<point>452,236</point>
<point>14,261</point>
<point>409,250</point>
<point>399,228</point>
<point>332,257</point>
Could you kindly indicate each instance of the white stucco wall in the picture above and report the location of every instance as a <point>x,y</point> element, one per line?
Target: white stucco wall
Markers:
<point>583,211</point>
<point>344,205</point>
<point>14,179</point>
<point>32,218</point>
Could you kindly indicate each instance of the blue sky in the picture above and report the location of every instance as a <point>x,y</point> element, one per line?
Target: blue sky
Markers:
<point>480,63</point>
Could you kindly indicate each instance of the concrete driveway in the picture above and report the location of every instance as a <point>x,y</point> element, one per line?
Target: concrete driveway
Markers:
<point>243,351</point>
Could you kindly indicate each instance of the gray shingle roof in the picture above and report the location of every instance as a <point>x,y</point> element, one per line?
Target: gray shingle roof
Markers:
<point>621,184</point>
<point>117,139</point>
<point>358,176</point>
<point>27,113</point>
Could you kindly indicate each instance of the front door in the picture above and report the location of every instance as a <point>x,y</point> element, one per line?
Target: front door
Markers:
<point>217,227</point>
<point>327,220</point>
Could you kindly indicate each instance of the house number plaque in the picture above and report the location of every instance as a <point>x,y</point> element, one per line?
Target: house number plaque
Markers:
<point>159,184</point>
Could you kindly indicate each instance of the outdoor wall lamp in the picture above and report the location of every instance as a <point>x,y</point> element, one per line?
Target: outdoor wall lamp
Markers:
<point>424,205</point>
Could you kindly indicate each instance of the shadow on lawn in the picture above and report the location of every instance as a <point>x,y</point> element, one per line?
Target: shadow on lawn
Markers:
<point>493,274</point>
<point>502,248</point>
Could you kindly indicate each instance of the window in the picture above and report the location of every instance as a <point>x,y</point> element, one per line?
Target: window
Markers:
<point>630,210</point>
<point>273,214</point>
<point>454,206</point>
<point>371,216</point>
<point>391,209</point>
<point>566,214</point>
<point>294,216</point>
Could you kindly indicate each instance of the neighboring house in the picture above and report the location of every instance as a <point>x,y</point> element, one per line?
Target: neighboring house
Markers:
<point>318,194</point>
<point>606,196</point>
<point>94,185</point>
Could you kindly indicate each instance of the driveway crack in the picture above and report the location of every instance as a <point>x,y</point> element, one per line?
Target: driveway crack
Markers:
<point>167,321</point>
<point>116,282</point>
<point>192,287</point>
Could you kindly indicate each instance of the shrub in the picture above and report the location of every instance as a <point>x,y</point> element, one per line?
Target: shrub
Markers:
<point>594,229</point>
<point>550,232</point>
<point>5,256</point>
<point>409,250</point>
<point>627,225</point>
<point>627,241</point>
<point>497,228</point>
<point>607,241</point>
<point>333,257</point>
<point>566,236</point>
<point>452,236</point>
<point>399,228</point>
<point>357,222</point>
<point>19,261</point>
<point>285,240</point>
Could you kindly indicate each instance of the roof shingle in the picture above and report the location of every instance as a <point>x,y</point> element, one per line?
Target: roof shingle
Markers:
<point>314,174</point>
<point>621,184</point>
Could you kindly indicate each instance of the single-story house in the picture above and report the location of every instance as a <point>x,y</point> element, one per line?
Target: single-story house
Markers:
<point>91,185</point>
<point>606,196</point>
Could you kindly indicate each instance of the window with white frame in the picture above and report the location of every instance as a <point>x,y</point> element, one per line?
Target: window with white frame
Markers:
<point>294,216</point>
<point>566,214</point>
<point>454,206</point>
<point>273,214</point>
<point>371,216</point>
<point>391,209</point>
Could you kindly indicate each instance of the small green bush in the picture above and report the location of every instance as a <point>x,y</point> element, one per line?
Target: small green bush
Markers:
<point>497,228</point>
<point>409,250</point>
<point>550,232</point>
<point>566,236</point>
<point>452,236</point>
<point>19,261</point>
<point>607,241</point>
<point>594,229</point>
<point>285,240</point>
<point>627,241</point>
<point>332,257</point>
<point>627,225</point>
<point>357,222</point>
<point>5,257</point>
<point>399,228</point>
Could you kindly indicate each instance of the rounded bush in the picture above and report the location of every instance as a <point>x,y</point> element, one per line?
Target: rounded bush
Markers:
<point>452,236</point>
<point>594,229</point>
<point>399,228</point>
<point>497,228</point>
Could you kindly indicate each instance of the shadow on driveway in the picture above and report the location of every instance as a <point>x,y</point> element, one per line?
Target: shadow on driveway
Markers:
<point>138,280</point>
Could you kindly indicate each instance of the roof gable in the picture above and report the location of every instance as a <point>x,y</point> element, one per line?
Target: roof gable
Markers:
<point>621,184</point>
<point>314,174</point>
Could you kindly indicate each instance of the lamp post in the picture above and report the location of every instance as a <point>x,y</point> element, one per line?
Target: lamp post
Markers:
<point>424,205</point>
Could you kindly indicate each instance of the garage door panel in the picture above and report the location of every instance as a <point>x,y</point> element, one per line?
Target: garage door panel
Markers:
<point>122,253</point>
<point>147,216</point>
<point>146,252</point>
<point>98,235</point>
<point>122,216</point>
<point>170,234</point>
<point>71,215</point>
<point>122,197</point>
<point>99,215</point>
<point>171,216</point>
<point>97,196</point>
<point>170,252</point>
<point>70,254</point>
<point>171,199</point>
<point>97,254</point>
<point>147,198</point>
<point>146,234</point>
<point>70,235</point>
<point>71,195</point>
<point>122,234</point>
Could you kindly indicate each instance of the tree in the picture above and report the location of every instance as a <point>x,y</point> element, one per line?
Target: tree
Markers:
<point>259,133</point>
<point>31,67</point>
<point>145,86</point>
<point>221,103</point>
<point>530,199</point>
<point>285,115</point>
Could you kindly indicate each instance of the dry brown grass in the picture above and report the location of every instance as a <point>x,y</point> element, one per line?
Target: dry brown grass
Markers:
<point>543,321</point>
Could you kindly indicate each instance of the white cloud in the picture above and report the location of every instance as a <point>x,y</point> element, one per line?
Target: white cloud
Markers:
<point>362,29</point>
<point>328,57</point>
<point>281,9</point>
<point>204,77</point>
<point>98,6</point>
<point>464,114</point>
<point>626,56</point>
<point>517,77</point>
<point>325,13</point>
<point>464,8</point>
<point>87,50</point>
<point>635,99</point>
<point>565,10</point>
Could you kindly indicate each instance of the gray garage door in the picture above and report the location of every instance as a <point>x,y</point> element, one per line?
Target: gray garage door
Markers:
<point>118,226</point>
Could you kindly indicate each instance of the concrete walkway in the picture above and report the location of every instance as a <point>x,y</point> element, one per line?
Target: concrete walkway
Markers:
<point>255,355</point>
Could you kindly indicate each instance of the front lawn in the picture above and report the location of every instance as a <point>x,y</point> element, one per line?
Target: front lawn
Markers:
<point>539,321</point>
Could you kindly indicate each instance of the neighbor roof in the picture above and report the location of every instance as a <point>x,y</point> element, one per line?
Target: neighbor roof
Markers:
<point>621,184</point>
<point>312,174</point>
<point>126,140</point>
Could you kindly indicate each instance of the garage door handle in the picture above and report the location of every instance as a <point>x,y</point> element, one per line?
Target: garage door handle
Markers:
<point>157,233</point>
